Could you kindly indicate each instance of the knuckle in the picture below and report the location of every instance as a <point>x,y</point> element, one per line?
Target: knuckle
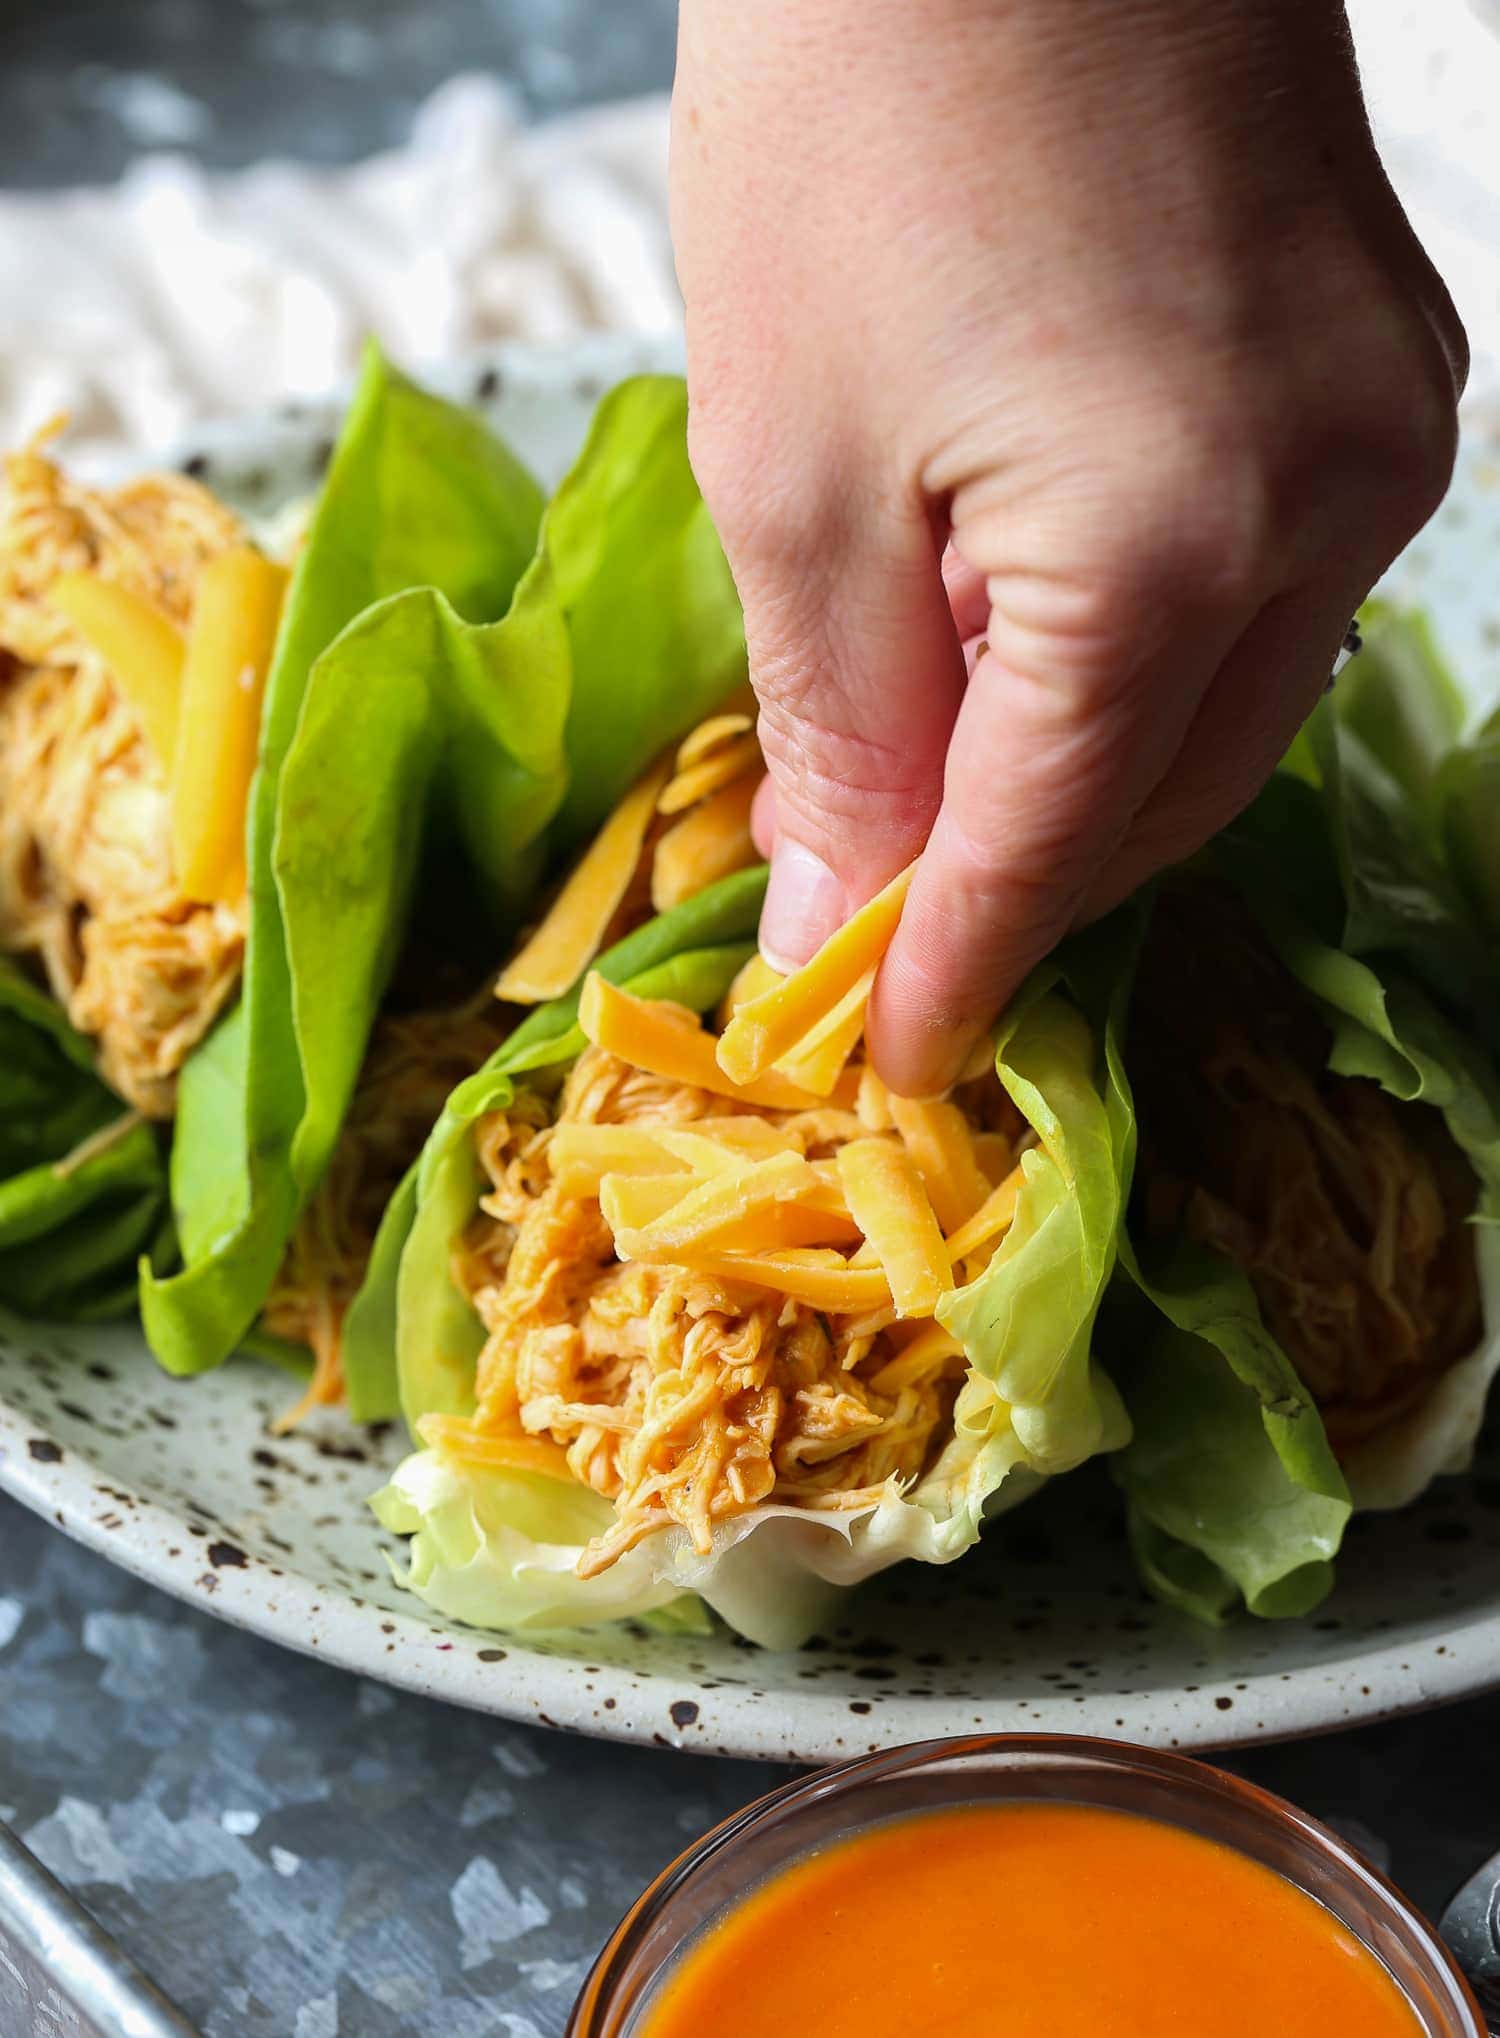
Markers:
<point>1174,522</point>
<point>1419,455</point>
<point>836,774</point>
<point>1391,437</point>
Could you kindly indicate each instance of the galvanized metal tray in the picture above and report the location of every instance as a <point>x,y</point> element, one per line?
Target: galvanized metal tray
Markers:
<point>61,1975</point>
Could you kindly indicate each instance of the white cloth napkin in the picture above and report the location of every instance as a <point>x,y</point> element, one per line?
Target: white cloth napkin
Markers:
<point>180,294</point>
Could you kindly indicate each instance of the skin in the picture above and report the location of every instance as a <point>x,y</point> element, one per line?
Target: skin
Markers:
<point>1063,374</point>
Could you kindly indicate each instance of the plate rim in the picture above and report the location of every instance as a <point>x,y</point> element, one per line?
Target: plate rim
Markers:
<point>502,1676</point>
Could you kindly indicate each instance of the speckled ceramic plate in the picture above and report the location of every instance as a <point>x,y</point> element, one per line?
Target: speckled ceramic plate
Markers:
<point>183,1482</point>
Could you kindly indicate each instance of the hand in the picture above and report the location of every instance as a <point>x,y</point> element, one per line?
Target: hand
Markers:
<point>1088,328</point>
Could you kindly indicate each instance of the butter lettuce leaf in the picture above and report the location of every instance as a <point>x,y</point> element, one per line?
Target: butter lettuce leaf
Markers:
<point>1027,1323</point>
<point>419,494</point>
<point>499,1548</point>
<point>456,735</point>
<point>1234,1494</point>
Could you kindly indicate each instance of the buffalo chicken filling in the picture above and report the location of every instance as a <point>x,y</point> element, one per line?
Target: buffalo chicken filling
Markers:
<point>86,876</point>
<point>679,1395</point>
<point>1344,1207</point>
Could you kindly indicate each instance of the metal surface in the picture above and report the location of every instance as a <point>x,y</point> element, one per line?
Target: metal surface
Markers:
<point>60,1973</point>
<point>1471,1926</point>
<point>291,1852</point>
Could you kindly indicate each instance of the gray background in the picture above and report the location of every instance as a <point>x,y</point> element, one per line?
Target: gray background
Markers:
<point>85,84</point>
<point>293,1853</point>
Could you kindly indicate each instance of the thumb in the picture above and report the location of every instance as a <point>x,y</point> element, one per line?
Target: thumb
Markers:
<point>856,663</point>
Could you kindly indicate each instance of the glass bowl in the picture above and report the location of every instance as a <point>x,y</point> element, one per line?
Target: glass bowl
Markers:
<point>746,1850</point>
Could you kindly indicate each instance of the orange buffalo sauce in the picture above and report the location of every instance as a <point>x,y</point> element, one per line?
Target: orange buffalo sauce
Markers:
<point>1028,1921</point>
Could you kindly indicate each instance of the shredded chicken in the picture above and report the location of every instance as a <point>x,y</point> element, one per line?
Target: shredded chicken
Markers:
<point>86,881</point>
<point>1344,1207</point>
<point>414,1061</point>
<point>677,1396</point>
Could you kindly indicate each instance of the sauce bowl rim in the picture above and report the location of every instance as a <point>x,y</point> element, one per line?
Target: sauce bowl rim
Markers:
<point>1189,1775</point>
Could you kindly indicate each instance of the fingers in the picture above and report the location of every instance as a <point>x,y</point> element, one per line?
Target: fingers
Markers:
<point>859,673</point>
<point>1264,691</point>
<point>968,596</point>
<point>969,604</point>
<point>1072,717</point>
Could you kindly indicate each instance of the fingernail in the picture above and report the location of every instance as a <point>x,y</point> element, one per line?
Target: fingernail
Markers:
<point>804,905</point>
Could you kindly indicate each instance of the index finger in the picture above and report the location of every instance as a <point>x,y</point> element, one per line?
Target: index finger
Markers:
<point>1040,789</point>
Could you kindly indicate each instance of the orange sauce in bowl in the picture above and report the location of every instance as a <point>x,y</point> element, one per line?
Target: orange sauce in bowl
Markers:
<point>1031,1920</point>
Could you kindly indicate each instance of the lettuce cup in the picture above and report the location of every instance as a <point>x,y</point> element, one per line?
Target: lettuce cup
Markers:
<point>1311,1325</point>
<point>673,1338</point>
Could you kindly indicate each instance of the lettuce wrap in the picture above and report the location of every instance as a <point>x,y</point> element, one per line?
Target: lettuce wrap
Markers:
<point>439,677</point>
<point>1314,1328</point>
<point>419,494</point>
<point>508,1546</point>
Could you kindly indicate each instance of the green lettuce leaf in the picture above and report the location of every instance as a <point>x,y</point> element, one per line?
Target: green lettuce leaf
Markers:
<point>628,608</point>
<point>1467,792</point>
<point>419,494</point>
<point>1233,1492</point>
<point>1404,704</point>
<point>498,744</point>
<point>499,1549</point>
<point>83,1189</point>
<point>711,933</point>
<point>1400,794</point>
<point>1027,1323</point>
<point>1228,1460</point>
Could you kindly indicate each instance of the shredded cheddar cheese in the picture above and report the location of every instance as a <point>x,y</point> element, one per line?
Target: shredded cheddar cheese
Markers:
<point>735,718</point>
<point>936,1135</point>
<point>819,1060</point>
<point>710,1292</point>
<point>989,1222</point>
<point>142,647</point>
<point>711,841</point>
<point>766,1028</point>
<point>573,931</point>
<point>887,1201</point>
<point>235,620</point>
<point>720,766</point>
<point>665,1040</point>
